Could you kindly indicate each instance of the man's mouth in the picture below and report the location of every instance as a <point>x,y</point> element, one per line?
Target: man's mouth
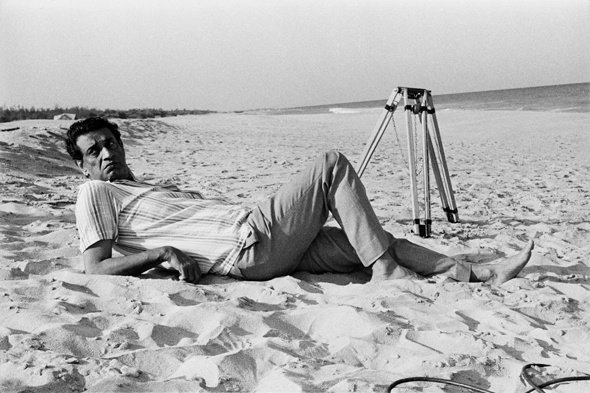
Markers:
<point>110,167</point>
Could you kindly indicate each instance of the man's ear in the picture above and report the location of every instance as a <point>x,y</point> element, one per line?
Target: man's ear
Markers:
<point>80,165</point>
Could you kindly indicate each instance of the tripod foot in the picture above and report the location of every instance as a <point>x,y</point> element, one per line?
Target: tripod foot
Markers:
<point>452,215</point>
<point>422,227</point>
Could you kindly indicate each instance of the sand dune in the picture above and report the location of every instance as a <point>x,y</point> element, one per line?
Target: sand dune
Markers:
<point>517,176</point>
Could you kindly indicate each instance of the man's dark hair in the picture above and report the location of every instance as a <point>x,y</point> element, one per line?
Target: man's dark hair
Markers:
<point>85,126</point>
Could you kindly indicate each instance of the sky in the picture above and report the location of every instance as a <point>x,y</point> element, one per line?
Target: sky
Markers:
<point>233,55</point>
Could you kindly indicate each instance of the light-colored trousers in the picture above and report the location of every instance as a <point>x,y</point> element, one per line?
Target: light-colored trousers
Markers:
<point>289,232</point>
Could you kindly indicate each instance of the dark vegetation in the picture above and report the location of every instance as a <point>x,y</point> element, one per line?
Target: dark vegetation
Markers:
<point>20,113</point>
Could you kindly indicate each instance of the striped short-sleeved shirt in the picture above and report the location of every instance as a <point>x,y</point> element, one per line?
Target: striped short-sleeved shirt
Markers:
<point>139,216</point>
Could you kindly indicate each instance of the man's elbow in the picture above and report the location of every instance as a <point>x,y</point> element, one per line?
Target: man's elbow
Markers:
<point>95,256</point>
<point>91,268</point>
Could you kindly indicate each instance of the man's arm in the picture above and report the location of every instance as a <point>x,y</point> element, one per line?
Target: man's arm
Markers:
<point>98,259</point>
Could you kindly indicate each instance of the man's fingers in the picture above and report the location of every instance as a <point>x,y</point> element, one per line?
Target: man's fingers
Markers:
<point>197,272</point>
<point>189,272</point>
<point>188,269</point>
<point>181,267</point>
<point>193,269</point>
<point>181,270</point>
<point>185,272</point>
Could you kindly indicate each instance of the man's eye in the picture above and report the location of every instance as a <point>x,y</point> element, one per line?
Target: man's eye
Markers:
<point>93,152</point>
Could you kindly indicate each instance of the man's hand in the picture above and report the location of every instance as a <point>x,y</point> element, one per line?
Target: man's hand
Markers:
<point>186,266</point>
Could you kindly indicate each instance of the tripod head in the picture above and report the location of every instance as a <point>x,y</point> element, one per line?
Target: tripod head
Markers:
<point>414,93</point>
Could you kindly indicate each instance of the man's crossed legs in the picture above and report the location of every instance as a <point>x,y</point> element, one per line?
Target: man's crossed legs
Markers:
<point>289,234</point>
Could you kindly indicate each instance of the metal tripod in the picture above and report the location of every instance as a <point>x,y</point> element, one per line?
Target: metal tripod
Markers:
<point>421,110</point>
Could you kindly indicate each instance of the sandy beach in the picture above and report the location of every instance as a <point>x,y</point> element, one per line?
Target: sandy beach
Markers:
<point>517,176</point>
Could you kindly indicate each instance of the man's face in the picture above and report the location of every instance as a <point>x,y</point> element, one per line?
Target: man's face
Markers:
<point>103,158</point>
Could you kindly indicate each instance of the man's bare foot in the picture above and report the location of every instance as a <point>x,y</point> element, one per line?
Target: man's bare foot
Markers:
<point>501,270</point>
<point>385,268</point>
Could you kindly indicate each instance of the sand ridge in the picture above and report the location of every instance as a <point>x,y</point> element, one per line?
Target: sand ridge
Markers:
<point>517,176</point>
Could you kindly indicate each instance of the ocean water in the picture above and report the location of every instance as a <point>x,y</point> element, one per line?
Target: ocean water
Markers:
<point>557,98</point>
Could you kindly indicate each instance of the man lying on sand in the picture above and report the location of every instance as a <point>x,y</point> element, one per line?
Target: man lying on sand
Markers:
<point>151,224</point>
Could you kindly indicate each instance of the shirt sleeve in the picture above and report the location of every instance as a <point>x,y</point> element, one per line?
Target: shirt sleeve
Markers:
<point>96,213</point>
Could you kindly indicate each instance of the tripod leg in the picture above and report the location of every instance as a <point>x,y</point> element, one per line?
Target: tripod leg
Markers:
<point>373,142</point>
<point>436,170</point>
<point>452,213</point>
<point>378,131</point>
<point>412,164</point>
<point>426,169</point>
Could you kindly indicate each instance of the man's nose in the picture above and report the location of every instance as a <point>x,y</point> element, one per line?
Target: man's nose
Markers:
<point>107,153</point>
